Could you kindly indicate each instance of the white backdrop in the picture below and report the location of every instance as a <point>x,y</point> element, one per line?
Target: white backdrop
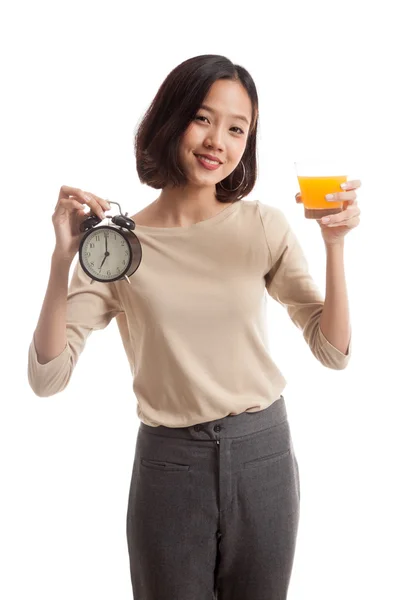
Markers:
<point>78,77</point>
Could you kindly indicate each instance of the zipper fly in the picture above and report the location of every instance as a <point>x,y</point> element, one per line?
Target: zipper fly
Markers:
<point>219,488</point>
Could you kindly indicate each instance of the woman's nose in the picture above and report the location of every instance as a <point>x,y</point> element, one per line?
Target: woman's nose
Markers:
<point>215,140</point>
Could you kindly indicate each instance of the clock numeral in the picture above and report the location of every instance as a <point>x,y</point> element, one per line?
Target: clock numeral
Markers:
<point>97,238</point>
<point>91,245</point>
<point>92,263</point>
<point>122,242</point>
<point>108,272</point>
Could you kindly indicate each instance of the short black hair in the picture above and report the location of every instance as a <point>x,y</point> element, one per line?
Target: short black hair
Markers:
<point>173,109</point>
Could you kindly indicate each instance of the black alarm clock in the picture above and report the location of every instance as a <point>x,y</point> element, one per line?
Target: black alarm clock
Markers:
<point>109,252</point>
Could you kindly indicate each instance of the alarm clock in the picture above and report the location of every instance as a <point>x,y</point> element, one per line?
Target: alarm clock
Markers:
<point>109,252</point>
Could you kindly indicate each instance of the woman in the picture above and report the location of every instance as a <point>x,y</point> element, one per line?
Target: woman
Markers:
<point>213,506</point>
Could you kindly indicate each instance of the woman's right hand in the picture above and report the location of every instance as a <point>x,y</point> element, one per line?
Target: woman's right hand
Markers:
<point>69,214</point>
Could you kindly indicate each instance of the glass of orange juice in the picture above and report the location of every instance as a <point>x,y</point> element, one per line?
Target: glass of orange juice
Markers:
<point>316,179</point>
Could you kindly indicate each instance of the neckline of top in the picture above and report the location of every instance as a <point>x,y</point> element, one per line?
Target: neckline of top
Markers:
<point>194,226</point>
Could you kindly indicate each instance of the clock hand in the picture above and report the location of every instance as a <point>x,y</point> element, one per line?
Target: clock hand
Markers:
<point>105,254</point>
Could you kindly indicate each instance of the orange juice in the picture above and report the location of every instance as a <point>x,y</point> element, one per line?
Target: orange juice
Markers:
<point>313,192</point>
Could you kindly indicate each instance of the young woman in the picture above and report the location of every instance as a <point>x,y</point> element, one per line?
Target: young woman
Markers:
<point>213,507</point>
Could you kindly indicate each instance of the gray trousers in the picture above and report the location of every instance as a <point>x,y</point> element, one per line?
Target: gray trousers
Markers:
<point>213,509</point>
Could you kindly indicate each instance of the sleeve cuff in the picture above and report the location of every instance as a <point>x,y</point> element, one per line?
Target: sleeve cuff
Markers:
<point>54,362</point>
<point>333,357</point>
<point>49,378</point>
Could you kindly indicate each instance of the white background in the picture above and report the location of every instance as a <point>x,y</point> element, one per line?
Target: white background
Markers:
<point>77,78</point>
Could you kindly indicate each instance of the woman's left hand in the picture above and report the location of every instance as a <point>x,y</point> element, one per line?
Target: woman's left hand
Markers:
<point>339,224</point>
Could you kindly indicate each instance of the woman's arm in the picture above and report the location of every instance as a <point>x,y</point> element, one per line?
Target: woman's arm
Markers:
<point>335,318</point>
<point>50,335</point>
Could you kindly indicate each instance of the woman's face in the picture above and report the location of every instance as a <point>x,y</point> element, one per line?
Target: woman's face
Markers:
<point>217,133</point>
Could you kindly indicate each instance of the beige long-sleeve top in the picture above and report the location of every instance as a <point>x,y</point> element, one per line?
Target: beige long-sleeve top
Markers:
<point>192,320</point>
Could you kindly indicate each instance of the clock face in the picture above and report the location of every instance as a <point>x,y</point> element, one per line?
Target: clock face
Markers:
<point>106,254</point>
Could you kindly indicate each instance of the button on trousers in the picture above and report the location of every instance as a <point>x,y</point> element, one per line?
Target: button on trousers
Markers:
<point>213,509</point>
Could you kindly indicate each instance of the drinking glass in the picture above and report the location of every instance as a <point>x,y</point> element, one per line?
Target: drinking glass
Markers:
<point>316,179</point>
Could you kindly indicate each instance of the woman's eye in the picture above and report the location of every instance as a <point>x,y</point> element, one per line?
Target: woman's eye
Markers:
<point>203,117</point>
